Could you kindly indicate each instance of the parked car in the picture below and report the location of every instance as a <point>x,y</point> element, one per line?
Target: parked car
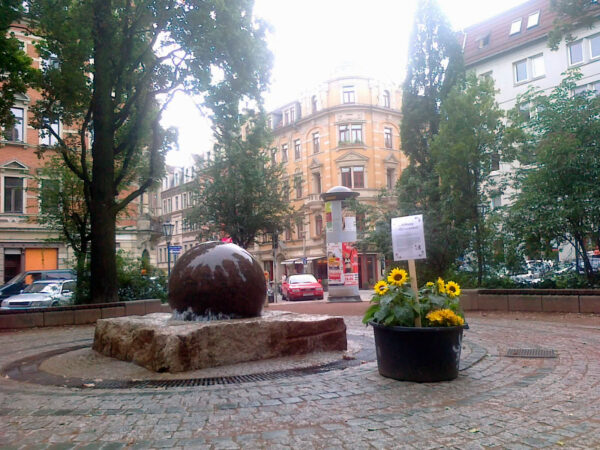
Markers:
<point>24,279</point>
<point>42,294</point>
<point>302,287</point>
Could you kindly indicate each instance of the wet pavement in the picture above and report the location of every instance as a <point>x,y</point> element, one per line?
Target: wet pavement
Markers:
<point>497,401</point>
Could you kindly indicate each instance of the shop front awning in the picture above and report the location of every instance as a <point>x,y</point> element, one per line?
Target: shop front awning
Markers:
<point>292,261</point>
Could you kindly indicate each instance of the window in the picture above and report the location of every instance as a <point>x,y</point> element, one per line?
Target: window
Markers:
<point>515,27</point>
<point>390,178</point>
<point>286,190</point>
<point>176,177</point>
<point>483,41</point>
<point>386,99</point>
<point>313,102</point>
<point>176,226</point>
<point>576,53</point>
<point>530,68</point>
<point>344,133</point>
<point>353,177</point>
<point>317,182</point>
<point>184,200</point>
<point>288,234</point>
<point>596,88</point>
<point>495,162</point>
<point>595,46</point>
<point>274,156</point>
<point>348,94</point>
<point>533,19</point>
<point>299,230</point>
<point>520,71</point>
<point>387,137</point>
<point>298,186</point>
<point>176,203</point>
<point>525,111</point>
<point>49,202</point>
<point>357,133</point>
<point>289,116</point>
<point>169,205</point>
<point>318,225</point>
<point>316,142</point>
<point>284,153</point>
<point>18,132</point>
<point>297,153</point>
<point>496,202</point>
<point>13,195</point>
<point>46,137</point>
<point>164,207</point>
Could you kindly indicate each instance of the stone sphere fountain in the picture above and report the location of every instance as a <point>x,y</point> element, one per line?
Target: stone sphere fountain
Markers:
<point>217,278</point>
<point>216,281</point>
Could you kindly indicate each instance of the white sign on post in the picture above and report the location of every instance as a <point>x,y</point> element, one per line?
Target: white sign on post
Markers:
<point>408,238</point>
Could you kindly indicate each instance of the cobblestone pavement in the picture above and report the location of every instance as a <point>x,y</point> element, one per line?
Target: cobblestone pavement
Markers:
<point>497,402</point>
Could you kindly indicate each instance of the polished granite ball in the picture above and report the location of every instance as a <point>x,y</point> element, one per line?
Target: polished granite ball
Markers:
<point>216,277</point>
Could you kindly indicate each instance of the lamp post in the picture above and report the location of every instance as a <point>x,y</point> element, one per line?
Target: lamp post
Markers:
<point>167,229</point>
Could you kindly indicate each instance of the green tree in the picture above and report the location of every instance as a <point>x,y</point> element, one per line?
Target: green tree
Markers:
<point>434,65</point>
<point>571,14</point>
<point>241,192</point>
<point>63,208</point>
<point>113,67</point>
<point>465,150</point>
<point>16,72</point>
<point>558,196</point>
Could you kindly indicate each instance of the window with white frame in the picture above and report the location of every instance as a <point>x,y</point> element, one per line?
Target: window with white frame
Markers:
<point>176,202</point>
<point>533,19</point>
<point>576,53</point>
<point>595,46</point>
<point>316,142</point>
<point>529,68</point>
<point>348,95</point>
<point>284,153</point>
<point>17,133</point>
<point>314,104</point>
<point>169,205</point>
<point>184,200</point>
<point>356,133</point>
<point>165,206</point>
<point>387,137</point>
<point>47,137</point>
<point>386,99</point>
<point>515,27</point>
<point>13,194</point>
<point>390,178</point>
<point>344,133</point>
<point>317,183</point>
<point>353,177</point>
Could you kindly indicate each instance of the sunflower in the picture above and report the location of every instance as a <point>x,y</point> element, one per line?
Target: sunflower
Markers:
<point>444,318</point>
<point>429,284</point>
<point>381,287</point>
<point>440,286</point>
<point>452,289</point>
<point>397,277</point>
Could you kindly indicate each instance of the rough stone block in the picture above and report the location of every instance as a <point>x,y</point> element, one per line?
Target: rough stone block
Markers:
<point>531,303</point>
<point>560,303</point>
<point>113,311</point>
<point>491,302</point>
<point>59,318</point>
<point>469,300</point>
<point>164,345</point>
<point>83,316</point>
<point>22,320</point>
<point>589,304</point>
<point>135,308</point>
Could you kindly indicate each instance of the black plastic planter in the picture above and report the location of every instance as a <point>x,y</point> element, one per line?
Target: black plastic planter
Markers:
<point>418,354</point>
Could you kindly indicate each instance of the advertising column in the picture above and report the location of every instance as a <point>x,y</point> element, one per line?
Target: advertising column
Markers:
<point>342,256</point>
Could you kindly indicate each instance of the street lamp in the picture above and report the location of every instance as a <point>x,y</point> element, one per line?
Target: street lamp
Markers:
<point>167,229</point>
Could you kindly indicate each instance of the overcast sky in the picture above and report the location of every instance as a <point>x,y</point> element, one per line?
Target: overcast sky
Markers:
<point>312,39</point>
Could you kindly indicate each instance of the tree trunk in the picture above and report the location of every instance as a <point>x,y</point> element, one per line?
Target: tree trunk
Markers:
<point>103,285</point>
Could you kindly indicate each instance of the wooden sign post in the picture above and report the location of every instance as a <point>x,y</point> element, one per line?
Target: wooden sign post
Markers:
<point>408,244</point>
<point>412,273</point>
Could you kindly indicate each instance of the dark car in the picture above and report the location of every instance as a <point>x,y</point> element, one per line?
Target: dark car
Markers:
<point>302,287</point>
<point>24,279</point>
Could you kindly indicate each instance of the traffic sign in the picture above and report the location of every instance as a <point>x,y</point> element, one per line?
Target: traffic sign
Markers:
<point>175,249</point>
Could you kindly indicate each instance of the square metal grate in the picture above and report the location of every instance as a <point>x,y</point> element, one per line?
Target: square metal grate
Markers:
<point>531,353</point>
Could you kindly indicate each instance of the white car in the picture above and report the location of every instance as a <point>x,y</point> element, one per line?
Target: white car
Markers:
<point>42,294</point>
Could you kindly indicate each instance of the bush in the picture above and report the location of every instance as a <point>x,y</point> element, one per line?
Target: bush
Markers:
<point>137,281</point>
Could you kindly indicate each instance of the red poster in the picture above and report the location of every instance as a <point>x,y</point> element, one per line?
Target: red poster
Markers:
<point>350,258</point>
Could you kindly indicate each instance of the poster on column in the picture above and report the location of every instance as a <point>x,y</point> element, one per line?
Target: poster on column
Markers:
<point>408,238</point>
<point>328,218</point>
<point>350,258</point>
<point>334,263</point>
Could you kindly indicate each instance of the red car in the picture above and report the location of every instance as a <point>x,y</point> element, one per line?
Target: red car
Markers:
<point>302,287</point>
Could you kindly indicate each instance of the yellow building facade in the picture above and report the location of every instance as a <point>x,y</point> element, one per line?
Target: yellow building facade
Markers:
<point>343,133</point>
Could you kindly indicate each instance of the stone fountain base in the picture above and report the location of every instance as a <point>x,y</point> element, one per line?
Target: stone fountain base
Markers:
<point>161,344</point>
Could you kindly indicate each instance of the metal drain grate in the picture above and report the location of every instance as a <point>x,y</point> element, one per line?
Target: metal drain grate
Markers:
<point>531,353</point>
